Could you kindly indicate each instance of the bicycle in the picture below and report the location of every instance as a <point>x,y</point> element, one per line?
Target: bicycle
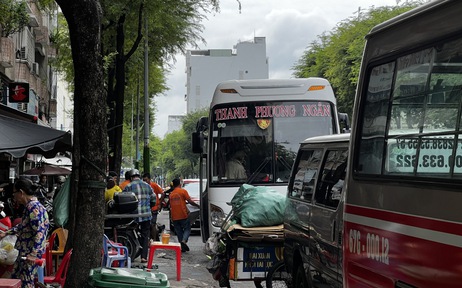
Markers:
<point>278,276</point>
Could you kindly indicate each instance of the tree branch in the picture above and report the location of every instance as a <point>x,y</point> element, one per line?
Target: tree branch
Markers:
<point>139,37</point>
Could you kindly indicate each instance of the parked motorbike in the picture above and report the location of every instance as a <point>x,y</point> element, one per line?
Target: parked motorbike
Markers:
<point>120,224</point>
<point>124,231</point>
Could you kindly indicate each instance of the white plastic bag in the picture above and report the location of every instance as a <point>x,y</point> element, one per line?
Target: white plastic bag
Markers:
<point>8,254</point>
<point>214,245</point>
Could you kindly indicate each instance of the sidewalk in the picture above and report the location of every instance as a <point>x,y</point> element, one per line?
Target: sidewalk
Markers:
<point>193,268</point>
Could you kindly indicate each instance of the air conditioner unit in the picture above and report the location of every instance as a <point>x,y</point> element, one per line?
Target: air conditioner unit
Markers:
<point>35,68</point>
<point>23,53</point>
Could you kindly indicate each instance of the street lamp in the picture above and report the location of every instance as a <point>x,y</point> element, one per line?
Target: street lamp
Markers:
<point>161,176</point>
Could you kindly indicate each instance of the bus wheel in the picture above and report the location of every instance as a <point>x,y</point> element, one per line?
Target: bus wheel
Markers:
<point>300,278</point>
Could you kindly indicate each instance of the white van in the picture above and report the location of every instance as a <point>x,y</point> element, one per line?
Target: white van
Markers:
<point>313,215</point>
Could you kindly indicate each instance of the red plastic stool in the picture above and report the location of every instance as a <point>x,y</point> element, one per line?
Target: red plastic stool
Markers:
<point>170,246</point>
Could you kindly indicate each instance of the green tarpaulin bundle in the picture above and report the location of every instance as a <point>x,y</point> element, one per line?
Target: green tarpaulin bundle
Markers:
<point>255,206</point>
<point>61,204</point>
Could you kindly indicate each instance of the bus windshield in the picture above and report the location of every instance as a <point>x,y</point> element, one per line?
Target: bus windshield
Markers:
<point>257,142</point>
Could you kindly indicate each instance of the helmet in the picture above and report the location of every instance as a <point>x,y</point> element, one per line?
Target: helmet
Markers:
<point>61,179</point>
<point>134,172</point>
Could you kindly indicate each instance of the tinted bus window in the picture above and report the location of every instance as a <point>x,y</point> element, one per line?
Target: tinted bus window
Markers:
<point>411,117</point>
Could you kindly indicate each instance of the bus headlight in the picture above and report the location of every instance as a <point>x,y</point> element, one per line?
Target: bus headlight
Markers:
<point>217,216</point>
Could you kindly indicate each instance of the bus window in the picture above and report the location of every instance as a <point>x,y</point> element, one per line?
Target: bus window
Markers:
<point>419,128</point>
<point>375,119</point>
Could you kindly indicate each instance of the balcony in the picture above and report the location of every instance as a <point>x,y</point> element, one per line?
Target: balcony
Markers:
<point>34,14</point>
<point>51,51</point>
<point>7,53</point>
<point>23,74</point>
<point>41,35</point>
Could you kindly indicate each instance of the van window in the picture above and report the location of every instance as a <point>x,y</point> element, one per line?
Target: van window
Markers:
<point>329,188</point>
<point>305,173</point>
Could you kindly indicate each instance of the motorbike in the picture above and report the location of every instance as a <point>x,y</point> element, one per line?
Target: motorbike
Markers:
<point>120,224</point>
<point>124,231</point>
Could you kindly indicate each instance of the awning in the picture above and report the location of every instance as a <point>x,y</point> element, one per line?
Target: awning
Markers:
<point>19,137</point>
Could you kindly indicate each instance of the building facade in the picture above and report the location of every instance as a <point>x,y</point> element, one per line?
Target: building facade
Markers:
<point>25,58</point>
<point>206,68</point>
<point>175,123</point>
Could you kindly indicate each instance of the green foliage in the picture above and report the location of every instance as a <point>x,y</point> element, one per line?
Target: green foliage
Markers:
<point>172,25</point>
<point>168,26</point>
<point>176,156</point>
<point>14,16</point>
<point>63,61</point>
<point>336,55</point>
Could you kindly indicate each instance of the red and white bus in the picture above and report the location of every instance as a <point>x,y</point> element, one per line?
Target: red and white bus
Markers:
<point>403,205</point>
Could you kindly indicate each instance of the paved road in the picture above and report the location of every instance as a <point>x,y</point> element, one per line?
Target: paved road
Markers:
<point>193,263</point>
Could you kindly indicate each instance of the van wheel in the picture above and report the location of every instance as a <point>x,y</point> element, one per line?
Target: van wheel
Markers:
<point>278,276</point>
<point>300,280</point>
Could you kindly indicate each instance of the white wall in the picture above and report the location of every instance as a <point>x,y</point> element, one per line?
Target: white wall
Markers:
<point>64,107</point>
<point>206,68</point>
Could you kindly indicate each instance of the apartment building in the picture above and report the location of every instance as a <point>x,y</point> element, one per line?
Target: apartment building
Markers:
<point>24,58</point>
<point>206,68</point>
<point>28,92</point>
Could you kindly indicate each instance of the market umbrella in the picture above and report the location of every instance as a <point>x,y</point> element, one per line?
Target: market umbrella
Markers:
<point>47,170</point>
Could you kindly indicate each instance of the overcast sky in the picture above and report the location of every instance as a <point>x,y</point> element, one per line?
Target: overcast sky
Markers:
<point>289,27</point>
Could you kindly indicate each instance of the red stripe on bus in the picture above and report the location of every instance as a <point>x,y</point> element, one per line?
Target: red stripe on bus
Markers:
<point>405,219</point>
<point>416,261</point>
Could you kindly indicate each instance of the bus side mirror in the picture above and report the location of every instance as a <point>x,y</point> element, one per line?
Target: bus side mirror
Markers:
<point>196,142</point>
<point>197,138</point>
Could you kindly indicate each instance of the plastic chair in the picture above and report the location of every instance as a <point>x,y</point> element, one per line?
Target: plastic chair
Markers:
<point>114,252</point>
<point>60,276</point>
<point>61,233</point>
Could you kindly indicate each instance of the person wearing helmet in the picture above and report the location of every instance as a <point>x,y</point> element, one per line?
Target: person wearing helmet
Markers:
<point>59,184</point>
<point>145,195</point>
<point>61,179</point>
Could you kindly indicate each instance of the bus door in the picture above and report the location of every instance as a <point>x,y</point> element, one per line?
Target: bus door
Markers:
<point>326,217</point>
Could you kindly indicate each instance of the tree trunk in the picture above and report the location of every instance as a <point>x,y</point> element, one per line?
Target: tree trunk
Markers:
<point>90,140</point>
<point>119,94</point>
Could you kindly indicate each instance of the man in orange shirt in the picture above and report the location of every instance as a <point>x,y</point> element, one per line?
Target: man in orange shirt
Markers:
<point>179,213</point>
<point>154,209</point>
<point>126,181</point>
